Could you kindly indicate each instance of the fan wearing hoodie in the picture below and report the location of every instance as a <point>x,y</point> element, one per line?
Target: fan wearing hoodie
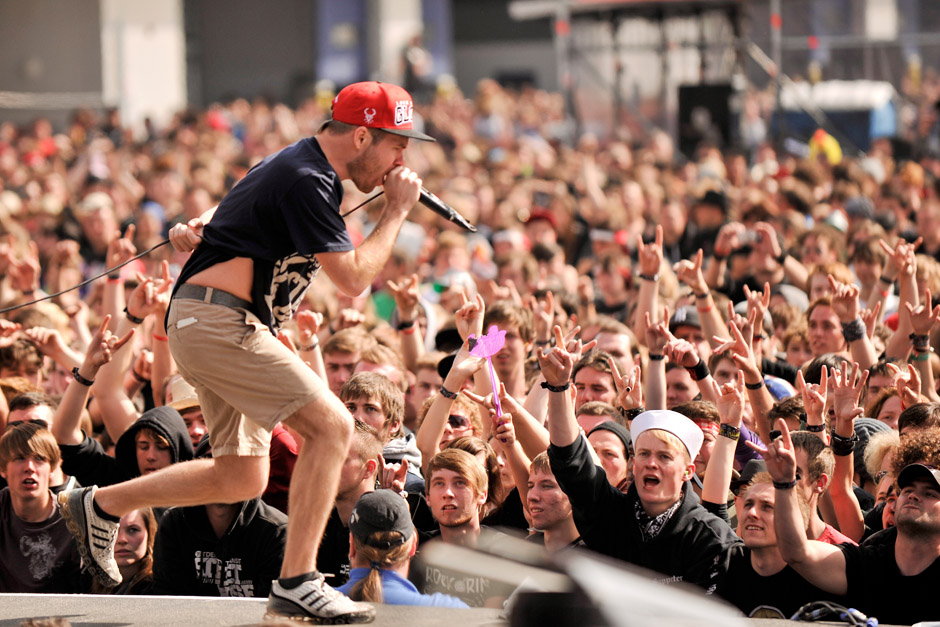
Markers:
<point>155,440</point>
<point>220,549</point>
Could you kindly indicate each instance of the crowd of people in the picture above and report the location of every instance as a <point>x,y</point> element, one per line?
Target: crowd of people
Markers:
<point>719,368</point>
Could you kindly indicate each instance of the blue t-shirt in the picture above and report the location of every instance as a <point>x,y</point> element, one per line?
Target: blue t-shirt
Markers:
<point>284,212</point>
<point>396,590</point>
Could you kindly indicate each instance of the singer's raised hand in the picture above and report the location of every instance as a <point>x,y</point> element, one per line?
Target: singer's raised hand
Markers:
<point>402,188</point>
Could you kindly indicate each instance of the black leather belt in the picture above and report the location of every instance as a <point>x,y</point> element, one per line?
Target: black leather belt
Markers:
<point>211,295</point>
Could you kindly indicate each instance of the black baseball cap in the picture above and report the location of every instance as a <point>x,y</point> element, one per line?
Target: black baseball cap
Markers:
<point>382,510</point>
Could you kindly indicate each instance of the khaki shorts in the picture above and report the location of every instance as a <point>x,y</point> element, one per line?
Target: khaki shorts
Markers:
<point>247,381</point>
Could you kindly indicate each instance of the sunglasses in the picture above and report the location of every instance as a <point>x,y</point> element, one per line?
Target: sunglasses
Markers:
<point>458,422</point>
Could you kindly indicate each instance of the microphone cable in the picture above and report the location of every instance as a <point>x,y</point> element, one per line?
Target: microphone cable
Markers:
<point>86,281</point>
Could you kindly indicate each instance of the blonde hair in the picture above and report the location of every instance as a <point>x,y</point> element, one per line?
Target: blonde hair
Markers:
<point>672,441</point>
<point>369,588</point>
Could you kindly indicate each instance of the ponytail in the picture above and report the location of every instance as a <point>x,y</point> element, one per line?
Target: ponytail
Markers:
<point>370,587</point>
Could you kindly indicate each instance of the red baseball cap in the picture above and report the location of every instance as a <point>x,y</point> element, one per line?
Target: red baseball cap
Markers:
<point>377,105</point>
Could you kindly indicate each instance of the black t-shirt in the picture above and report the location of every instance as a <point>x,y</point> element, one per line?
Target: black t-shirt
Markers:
<point>755,594</point>
<point>510,515</point>
<point>333,555</point>
<point>284,212</point>
<point>877,587</point>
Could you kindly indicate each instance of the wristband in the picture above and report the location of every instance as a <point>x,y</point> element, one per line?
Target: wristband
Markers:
<point>139,378</point>
<point>699,371</point>
<point>921,356</point>
<point>652,278</point>
<point>555,388</point>
<point>655,357</point>
<point>783,257</point>
<point>853,331</point>
<point>161,338</point>
<point>784,485</point>
<point>843,446</point>
<point>401,326</point>
<point>702,295</point>
<point>86,382</point>
<point>815,428</point>
<point>727,431</point>
<point>754,386</point>
<point>408,330</point>
<point>542,342</point>
<point>132,317</point>
<point>703,309</point>
<point>718,257</point>
<point>921,342</point>
<point>311,346</point>
<point>630,414</point>
<point>447,393</point>
<point>114,278</point>
<point>885,280</point>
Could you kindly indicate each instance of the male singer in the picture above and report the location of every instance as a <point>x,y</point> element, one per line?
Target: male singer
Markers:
<point>257,253</point>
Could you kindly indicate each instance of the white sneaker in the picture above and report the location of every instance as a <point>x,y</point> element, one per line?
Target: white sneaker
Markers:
<point>316,602</point>
<point>95,535</point>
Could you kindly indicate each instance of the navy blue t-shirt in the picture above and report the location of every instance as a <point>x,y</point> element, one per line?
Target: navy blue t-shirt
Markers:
<point>284,212</point>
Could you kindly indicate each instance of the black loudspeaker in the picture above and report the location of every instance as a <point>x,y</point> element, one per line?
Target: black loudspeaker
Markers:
<point>704,116</point>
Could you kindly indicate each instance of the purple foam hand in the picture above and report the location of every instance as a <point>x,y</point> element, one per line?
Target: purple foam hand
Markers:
<point>489,344</point>
<point>486,346</point>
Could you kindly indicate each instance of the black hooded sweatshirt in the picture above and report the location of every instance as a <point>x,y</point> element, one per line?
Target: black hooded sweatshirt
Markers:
<point>190,560</point>
<point>90,465</point>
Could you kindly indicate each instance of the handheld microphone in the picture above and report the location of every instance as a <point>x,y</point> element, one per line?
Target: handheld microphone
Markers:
<point>444,210</point>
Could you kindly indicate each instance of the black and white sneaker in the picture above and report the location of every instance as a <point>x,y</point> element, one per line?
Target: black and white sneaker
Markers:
<point>315,602</point>
<point>95,535</point>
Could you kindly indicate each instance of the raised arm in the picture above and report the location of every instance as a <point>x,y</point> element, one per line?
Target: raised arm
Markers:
<point>117,410</point>
<point>428,438</point>
<point>814,403</point>
<point>730,408</point>
<point>845,304</point>
<point>684,353</point>
<point>657,336</point>
<point>690,273</point>
<point>823,565</point>
<point>518,461</point>
<point>353,271</point>
<point>846,390</point>
<point>922,320</point>
<point>406,295</point>
<point>743,355</point>
<point>903,263</point>
<point>556,364</point>
<point>65,427</point>
<point>651,262</point>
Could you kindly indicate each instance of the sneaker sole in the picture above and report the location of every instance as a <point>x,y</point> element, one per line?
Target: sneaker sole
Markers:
<point>77,529</point>
<point>273,618</point>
